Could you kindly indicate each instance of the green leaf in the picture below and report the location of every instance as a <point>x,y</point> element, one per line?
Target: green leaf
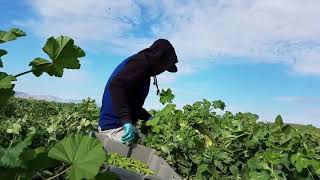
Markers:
<point>107,176</point>
<point>165,149</point>
<point>37,159</point>
<point>38,66</point>
<point>273,156</point>
<point>300,162</point>
<point>15,129</point>
<point>166,96</point>
<point>63,53</point>
<point>8,173</point>
<point>279,121</point>
<point>28,155</point>
<point>84,154</point>
<point>208,141</point>
<point>219,104</point>
<point>153,122</point>
<point>203,172</point>
<point>259,175</point>
<point>202,168</point>
<point>6,88</point>
<point>5,94</point>
<point>219,164</point>
<point>18,32</point>
<point>41,162</point>
<point>234,170</point>
<point>6,80</point>
<point>10,157</point>
<point>2,53</point>
<point>10,35</point>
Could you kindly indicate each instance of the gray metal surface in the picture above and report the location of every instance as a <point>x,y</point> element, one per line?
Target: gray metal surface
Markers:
<point>144,154</point>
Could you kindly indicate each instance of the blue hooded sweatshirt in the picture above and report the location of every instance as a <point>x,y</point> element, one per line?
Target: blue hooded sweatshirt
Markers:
<point>128,86</point>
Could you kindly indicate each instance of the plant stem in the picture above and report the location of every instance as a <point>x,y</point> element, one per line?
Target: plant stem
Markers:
<point>310,173</point>
<point>59,173</point>
<point>40,175</point>
<point>23,73</point>
<point>61,167</point>
<point>273,172</point>
<point>13,139</point>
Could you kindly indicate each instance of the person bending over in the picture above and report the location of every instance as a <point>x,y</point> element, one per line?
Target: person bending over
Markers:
<point>128,87</point>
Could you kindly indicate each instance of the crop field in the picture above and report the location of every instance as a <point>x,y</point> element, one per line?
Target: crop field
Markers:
<point>50,140</point>
<point>196,141</point>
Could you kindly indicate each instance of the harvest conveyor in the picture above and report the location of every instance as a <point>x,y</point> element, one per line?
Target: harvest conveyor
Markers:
<point>162,169</point>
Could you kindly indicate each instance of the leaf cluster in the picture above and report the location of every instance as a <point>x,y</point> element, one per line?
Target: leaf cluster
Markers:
<point>62,53</point>
<point>203,144</point>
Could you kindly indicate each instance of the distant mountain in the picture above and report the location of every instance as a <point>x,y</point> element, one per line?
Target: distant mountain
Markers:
<point>44,97</point>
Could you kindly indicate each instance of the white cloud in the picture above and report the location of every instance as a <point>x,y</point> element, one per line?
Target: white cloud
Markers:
<point>76,76</point>
<point>166,78</point>
<point>187,68</point>
<point>273,31</point>
<point>99,22</point>
<point>308,62</point>
<point>243,28</point>
<point>298,99</point>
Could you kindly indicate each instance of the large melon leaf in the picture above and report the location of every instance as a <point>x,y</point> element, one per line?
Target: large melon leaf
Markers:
<point>84,154</point>
<point>63,54</point>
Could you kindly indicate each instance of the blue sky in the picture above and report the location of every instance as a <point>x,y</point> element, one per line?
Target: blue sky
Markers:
<point>257,56</point>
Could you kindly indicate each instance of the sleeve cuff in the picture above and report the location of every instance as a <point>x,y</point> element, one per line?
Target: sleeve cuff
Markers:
<point>125,121</point>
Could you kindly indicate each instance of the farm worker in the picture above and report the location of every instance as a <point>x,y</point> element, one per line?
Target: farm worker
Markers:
<point>128,87</point>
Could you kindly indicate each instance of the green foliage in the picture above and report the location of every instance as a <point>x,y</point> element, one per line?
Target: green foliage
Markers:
<point>128,163</point>
<point>11,35</point>
<point>36,140</point>
<point>29,128</point>
<point>10,157</point>
<point>63,53</point>
<point>51,122</point>
<point>218,104</point>
<point>166,96</point>
<point>195,140</point>
<point>202,144</point>
<point>84,154</point>
<point>2,53</point>
<point>106,176</point>
<point>47,119</point>
<point>38,160</point>
<point>15,129</point>
<point>6,87</point>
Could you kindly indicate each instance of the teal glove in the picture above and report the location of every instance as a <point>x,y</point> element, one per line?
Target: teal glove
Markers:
<point>129,133</point>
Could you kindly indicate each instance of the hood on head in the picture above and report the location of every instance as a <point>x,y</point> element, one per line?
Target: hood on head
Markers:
<point>162,57</point>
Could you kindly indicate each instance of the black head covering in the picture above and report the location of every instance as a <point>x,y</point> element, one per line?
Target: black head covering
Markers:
<point>161,56</point>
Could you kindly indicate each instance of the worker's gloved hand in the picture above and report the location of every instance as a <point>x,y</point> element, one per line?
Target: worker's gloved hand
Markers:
<point>129,133</point>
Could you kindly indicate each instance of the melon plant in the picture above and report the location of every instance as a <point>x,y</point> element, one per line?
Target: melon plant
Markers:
<point>48,140</point>
<point>201,143</point>
<point>62,54</point>
<point>18,160</point>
